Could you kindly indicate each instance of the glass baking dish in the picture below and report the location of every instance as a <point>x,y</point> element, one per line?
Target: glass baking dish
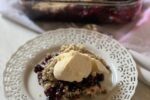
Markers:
<point>88,11</point>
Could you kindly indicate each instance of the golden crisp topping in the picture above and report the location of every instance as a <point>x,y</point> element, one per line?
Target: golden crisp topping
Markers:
<point>67,48</point>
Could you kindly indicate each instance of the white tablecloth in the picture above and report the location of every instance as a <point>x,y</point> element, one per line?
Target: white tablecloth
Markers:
<point>12,36</point>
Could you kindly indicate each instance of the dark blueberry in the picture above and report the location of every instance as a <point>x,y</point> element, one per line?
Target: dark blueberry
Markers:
<point>49,91</point>
<point>56,92</point>
<point>73,86</point>
<point>48,58</point>
<point>38,68</point>
<point>100,77</point>
<point>96,81</point>
<point>87,82</point>
<point>43,63</point>
<point>39,75</point>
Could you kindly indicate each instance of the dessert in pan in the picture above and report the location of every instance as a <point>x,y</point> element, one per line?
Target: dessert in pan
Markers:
<point>87,11</point>
<point>72,73</point>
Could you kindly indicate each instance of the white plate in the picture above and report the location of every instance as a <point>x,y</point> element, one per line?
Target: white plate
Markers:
<point>20,82</point>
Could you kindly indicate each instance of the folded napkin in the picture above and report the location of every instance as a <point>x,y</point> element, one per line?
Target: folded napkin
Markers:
<point>135,38</point>
<point>11,10</point>
<point>138,39</point>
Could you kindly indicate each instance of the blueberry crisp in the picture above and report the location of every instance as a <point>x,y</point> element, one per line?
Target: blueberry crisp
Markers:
<point>72,73</point>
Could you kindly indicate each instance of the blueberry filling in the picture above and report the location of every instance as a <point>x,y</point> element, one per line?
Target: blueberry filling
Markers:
<point>58,90</point>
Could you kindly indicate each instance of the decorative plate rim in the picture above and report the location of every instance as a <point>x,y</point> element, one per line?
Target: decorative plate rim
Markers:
<point>66,29</point>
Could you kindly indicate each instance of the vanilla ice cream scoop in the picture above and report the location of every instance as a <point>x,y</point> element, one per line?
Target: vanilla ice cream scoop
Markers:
<point>98,66</point>
<point>72,66</point>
